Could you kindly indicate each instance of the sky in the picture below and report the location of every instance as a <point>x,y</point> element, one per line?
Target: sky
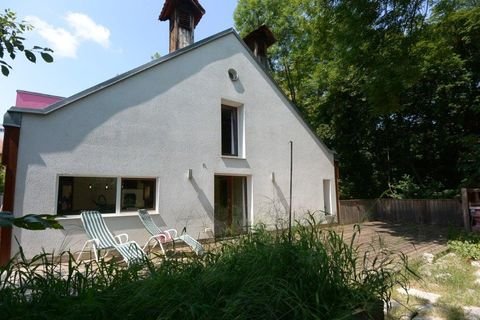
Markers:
<point>93,41</point>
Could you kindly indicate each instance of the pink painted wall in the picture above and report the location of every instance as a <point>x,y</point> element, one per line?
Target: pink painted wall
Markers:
<point>34,100</point>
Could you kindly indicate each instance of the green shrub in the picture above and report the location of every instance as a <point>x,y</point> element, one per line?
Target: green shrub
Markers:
<point>261,275</point>
<point>408,188</point>
<point>466,244</point>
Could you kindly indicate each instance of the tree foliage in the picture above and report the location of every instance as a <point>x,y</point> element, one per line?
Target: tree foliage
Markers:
<point>155,56</point>
<point>29,221</point>
<point>12,42</point>
<point>392,85</point>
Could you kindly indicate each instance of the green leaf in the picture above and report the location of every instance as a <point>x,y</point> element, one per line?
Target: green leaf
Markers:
<point>9,46</point>
<point>30,56</point>
<point>37,222</point>
<point>5,71</point>
<point>46,57</point>
<point>30,221</point>
<point>6,219</point>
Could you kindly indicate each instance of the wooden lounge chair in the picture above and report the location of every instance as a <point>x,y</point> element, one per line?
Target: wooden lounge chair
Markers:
<point>102,239</point>
<point>164,236</point>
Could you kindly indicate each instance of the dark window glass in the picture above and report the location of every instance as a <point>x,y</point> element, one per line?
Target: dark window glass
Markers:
<point>76,194</point>
<point>229,131</point>
<point>138,194</point>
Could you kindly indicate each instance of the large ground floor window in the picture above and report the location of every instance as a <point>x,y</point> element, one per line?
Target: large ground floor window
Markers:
<point>138,194</point>
<point>231,214</point>
<point>104,194</point>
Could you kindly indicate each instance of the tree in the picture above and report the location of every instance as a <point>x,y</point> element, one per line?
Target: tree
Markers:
<point>155,56</point>
<point>391,85</point>
<point>11,42</point>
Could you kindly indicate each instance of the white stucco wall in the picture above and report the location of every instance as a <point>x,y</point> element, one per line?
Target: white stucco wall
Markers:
<point>160,123</point>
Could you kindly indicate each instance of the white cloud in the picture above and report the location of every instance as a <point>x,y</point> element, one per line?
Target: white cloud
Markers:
<point>85,28</point>
<point>65,43</point>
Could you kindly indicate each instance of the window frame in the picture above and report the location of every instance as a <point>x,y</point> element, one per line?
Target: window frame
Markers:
<point>327,197</point>
<point>155,186</point>
<point>239,132</point>
<point>118,184</point>
<point>233,132</point>
<point>247,202</point>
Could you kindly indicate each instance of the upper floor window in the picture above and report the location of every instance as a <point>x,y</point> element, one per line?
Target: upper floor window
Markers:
<point>230,131</point>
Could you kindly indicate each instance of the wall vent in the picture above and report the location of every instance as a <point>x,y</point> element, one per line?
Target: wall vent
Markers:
<point>184,20</point>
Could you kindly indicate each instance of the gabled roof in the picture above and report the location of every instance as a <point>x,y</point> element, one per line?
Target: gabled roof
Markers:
<point>124,76</point>
<point>14,114</point>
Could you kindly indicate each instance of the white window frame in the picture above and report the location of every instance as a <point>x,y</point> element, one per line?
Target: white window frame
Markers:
<point>118,212</point>
<point>240,128</point>
<point>119,194</point>
<point>327,197</point>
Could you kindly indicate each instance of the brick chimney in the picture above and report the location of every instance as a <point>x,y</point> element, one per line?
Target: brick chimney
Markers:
<point>259,41</point>
<point>184,15</point>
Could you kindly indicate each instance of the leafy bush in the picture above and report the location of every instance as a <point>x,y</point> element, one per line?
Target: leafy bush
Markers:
<point>261,275</point>
<point>466,244</point>
<point>408,188</point>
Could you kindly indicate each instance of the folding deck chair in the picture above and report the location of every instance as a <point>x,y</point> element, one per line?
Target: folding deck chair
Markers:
<point>165,236</point>
<point>102,239</point>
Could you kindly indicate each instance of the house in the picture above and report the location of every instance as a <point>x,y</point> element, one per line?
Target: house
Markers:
<point>201,138</point>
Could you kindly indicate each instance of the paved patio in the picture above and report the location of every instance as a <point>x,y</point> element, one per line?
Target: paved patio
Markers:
<point>412,239</point>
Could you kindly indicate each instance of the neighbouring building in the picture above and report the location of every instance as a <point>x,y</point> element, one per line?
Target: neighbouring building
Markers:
<point>200,137</point>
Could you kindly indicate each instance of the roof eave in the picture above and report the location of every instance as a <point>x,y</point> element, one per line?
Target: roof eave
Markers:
<point>121,77</point>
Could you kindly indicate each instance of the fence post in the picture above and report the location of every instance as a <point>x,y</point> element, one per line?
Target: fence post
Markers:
<point>466,210</point>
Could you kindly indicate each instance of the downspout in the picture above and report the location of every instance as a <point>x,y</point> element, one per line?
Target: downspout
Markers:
<point>9,160</point>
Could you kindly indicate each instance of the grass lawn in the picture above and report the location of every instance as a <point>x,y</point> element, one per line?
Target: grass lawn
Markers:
<point>452,278</point>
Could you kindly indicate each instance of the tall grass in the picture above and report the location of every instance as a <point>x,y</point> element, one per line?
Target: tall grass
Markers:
<point>261,275</point>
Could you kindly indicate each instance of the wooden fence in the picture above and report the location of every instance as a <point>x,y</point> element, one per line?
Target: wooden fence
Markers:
<point>430,211</point>
<point>355,211</point>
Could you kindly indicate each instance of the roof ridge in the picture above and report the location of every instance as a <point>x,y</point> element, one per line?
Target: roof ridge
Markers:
<point>105,84</point>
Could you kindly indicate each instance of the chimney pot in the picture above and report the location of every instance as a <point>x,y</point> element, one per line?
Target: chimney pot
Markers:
<point>259,41</point>
<point>184,15</point>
